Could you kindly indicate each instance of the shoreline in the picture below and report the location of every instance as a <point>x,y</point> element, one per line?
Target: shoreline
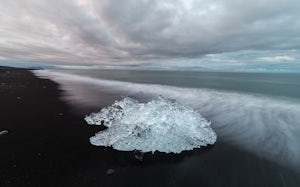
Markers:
<point>48,145</point>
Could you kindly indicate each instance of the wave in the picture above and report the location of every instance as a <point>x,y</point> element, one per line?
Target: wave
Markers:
<point>268,127</point>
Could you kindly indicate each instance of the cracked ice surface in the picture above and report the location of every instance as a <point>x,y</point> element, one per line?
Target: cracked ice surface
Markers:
<point>162,125</point>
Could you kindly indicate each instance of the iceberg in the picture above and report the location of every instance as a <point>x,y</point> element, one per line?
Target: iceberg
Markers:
<point>162,125</point>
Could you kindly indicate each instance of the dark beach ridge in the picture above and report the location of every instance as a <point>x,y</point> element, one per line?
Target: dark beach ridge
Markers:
<point>47,144</point>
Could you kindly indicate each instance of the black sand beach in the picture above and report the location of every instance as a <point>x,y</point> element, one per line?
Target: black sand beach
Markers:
<point>48,145</point>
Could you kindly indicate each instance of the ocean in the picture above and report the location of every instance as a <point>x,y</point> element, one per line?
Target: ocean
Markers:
<point>258,113</point>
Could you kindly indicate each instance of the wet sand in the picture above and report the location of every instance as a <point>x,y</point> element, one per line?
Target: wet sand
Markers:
<point>47,144</point>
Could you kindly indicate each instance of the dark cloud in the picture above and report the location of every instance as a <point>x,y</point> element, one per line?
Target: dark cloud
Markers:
<point>127,32</point>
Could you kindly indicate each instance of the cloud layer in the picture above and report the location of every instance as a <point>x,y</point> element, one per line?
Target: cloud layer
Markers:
<point>118,32</point>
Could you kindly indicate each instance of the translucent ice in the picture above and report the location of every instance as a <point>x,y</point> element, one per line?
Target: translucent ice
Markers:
<point>161,125</point>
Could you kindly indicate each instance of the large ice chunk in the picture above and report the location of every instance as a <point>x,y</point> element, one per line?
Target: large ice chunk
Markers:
<point>159,125</point>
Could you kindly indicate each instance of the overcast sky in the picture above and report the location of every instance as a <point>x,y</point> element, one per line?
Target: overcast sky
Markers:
<point>205,34</point>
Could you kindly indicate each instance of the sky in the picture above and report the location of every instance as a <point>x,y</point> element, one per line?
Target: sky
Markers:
<point>212,35</point>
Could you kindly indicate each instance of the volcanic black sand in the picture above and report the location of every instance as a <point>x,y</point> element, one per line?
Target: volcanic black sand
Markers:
<point>48,145</point>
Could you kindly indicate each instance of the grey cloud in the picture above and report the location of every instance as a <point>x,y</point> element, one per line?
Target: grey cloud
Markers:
<point>121,32</point>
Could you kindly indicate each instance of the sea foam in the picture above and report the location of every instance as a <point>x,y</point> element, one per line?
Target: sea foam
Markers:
<point>162,125</point>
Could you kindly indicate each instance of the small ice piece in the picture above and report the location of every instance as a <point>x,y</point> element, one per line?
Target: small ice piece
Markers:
<point>110,171</point>
<point>162,125</point>
<point>4,132</point>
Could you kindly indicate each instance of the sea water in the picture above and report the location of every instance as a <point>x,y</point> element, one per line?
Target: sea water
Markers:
<point>256,112</point>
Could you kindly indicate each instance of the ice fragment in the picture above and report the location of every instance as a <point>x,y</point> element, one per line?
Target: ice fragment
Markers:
<point>160,125</point>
